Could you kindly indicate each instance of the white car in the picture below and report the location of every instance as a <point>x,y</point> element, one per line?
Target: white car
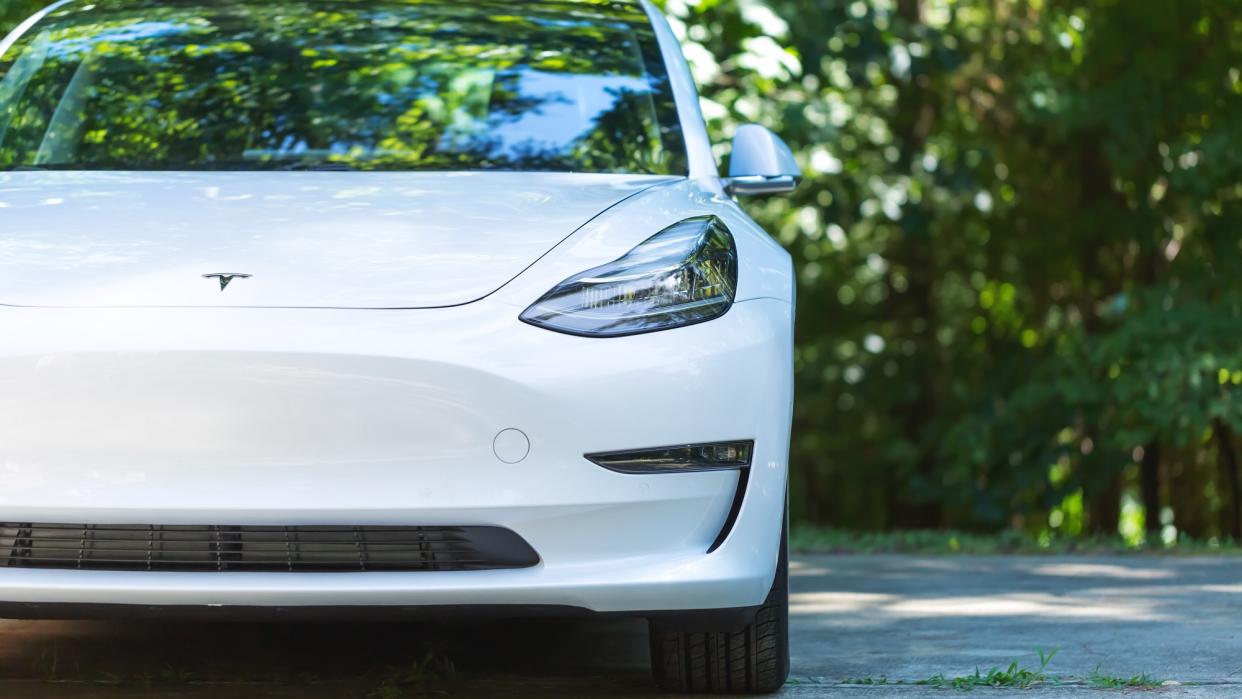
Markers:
<point>389,307</point>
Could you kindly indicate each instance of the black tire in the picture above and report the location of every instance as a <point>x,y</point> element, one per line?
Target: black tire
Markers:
<point>752,660</point>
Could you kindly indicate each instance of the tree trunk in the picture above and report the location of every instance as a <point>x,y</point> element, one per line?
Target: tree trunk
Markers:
<point>1186,470</point>
<point>1103,506</point>
<point>1149,477</point>
<point>1102,481</point>
<point>914,309</point>
<point>1227,461</point>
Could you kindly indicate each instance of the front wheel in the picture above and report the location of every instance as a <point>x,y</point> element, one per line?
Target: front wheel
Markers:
<point>752,660</point>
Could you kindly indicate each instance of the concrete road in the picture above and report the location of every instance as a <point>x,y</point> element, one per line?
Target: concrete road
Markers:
<point>863,626</point>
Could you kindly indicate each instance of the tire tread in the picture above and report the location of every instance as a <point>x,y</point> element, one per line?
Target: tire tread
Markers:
<point>753,660</point>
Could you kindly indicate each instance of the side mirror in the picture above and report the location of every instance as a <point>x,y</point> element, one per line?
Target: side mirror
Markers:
<point>761,163</point>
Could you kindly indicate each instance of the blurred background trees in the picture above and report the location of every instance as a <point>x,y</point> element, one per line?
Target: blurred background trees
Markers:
<point>1019,249</point>
<point>12,12</point>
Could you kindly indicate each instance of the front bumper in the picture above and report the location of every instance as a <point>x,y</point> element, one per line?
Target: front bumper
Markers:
<point>301,417</point>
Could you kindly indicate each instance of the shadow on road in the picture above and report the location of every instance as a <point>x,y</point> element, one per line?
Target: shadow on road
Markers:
<point>900,619</point>
<point>307,659</point>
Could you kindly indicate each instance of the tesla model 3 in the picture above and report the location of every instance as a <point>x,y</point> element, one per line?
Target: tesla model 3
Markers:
<point>392,307</point>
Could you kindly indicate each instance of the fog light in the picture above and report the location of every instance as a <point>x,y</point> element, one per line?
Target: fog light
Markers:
<point>688,458</point>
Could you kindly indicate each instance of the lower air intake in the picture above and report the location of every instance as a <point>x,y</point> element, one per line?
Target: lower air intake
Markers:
<point>208,548</point>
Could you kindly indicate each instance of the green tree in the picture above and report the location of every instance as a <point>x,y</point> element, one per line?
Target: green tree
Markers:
<point>1015,251</point>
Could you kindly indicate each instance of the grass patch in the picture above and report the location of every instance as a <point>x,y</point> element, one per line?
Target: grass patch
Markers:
<point>423,677</point>
<point>1012,677</point>
<point>869,681</point>
<point>1143,681</point>
<point>1017,677</point>
<point>812,538</point>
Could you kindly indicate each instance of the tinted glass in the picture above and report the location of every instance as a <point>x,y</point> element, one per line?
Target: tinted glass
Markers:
<point>414,85</point>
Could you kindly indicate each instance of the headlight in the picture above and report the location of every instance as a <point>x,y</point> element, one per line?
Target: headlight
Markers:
<point>683,275</point>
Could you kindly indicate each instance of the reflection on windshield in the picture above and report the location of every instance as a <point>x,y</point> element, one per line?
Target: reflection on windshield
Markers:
<point>340,84</point>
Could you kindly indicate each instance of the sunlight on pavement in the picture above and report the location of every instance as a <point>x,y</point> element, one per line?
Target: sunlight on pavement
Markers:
<point>800,568</point>
<point>837,602</point>
<point>879,606</point>
<point>1097,570</point>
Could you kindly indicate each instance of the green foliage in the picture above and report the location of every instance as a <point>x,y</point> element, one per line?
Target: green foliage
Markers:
<point>1017,250</point>
<point>1017,246</point>
<point>866,681</point>
<point>13,12</point>
<point>1014,676</point>
<point>1017,677</point>
<point>1140,681</point>
<point>810,538</point>
<point>423,677</point>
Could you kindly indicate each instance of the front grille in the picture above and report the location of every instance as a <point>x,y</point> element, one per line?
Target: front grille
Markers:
<point>210,548</point>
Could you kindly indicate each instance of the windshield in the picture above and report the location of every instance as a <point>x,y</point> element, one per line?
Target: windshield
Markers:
<point>572,86</point>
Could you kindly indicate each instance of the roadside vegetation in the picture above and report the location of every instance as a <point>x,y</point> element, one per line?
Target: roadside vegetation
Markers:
<point>429,675</point>
<point>810,538</point>
<point>1140,681</point>
<point>1016,676</point>
<point>1013,677</point>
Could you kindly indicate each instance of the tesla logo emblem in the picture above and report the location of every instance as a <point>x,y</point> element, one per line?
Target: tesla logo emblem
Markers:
<point>226,278</point>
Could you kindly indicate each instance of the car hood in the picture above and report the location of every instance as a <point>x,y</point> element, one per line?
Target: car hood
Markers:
<point>309,239</point>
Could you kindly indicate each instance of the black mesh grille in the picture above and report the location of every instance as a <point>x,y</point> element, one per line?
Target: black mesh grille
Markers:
<point>209,548</point>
